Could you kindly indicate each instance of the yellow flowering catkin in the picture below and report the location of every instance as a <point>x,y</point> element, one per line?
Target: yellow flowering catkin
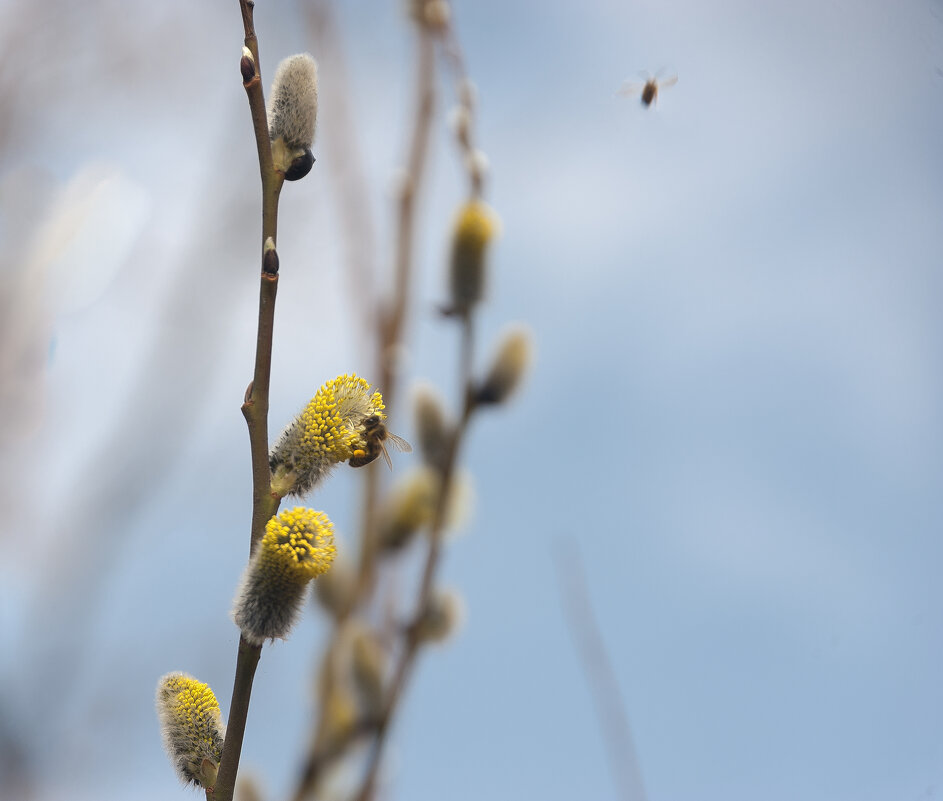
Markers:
<point>474,229</point>
<point>191,727</point>
<point>298,545</point>
<point>327,431</point>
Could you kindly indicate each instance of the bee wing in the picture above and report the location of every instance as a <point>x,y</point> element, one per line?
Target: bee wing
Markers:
<point>630,88</point>
<point>386,455</point>
<point>668,82</point>
<point>398,442</point>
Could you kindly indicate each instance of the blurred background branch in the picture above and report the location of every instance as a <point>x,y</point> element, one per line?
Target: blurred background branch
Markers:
<point>600,674</point>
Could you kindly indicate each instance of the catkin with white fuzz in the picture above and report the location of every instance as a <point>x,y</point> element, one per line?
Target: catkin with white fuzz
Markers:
<point>327,431</point>
<point>298,545</point>
<point>292,115</point>
<point>191,727</point>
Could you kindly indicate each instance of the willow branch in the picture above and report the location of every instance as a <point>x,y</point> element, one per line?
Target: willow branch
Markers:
<point>418,152</point>
<point>600,675</point>
<point>392,319</point>
<point>246,663</point>
<point>390,336</point>
<point>452,51</point>
<point>321,757</point>
<point>427,585</point>
<point>254,409</point>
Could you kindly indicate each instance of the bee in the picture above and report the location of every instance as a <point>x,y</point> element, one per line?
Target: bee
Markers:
<point>649,89</point>
<point>375,434</point>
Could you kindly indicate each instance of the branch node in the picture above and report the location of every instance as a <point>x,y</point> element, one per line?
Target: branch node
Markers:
<point>270,258</point>
<point>247,66</point>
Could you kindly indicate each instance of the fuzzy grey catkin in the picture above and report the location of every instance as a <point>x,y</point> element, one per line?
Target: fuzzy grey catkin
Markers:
<point>335,590</point>
<point>432,427</point>
<point>293,102</point>
<point>267,603</point>
<point>368,670</point>
<point>441,617</point>
<point>329,430</point>
<point>298,545</point>
<point>410,507</point>
<point>508,368</point>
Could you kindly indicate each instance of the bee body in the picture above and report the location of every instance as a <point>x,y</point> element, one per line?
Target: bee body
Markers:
<point>649,89</point>
<point>649,92</point>
<point>376,436</point>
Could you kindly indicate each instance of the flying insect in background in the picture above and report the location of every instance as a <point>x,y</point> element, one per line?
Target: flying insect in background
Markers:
<point>648,89</point>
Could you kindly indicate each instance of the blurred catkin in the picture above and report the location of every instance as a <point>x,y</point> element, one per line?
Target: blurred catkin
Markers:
<point>474,228</point>
<point>432,427</point>
<point>368,668</point>
<point>441,617</point>
<point>336,590</point>
<point>510,363</point>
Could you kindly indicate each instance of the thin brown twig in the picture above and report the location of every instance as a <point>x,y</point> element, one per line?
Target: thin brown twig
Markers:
<point>246,662</point>
<point>389,339</point>
<point>453,56</point>
<point>391,324</point>
<point>427,585</point>
<point>600,675</point>
<point>322,757</point>
<point>255,410</point>
<point>390,330</point>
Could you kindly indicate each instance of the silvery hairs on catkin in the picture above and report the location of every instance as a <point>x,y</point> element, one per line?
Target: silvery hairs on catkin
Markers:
<point>293,104</point>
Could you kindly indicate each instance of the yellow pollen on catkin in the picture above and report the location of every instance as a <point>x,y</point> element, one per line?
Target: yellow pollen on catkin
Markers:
<point>300,540</point>
<point>331,420</point>
<point>476,224</point>
<point>328,431</point>
<point>191,696</point>
<point>191,726</point>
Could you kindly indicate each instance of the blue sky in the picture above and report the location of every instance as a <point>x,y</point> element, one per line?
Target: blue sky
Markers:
<point>734,411</point>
